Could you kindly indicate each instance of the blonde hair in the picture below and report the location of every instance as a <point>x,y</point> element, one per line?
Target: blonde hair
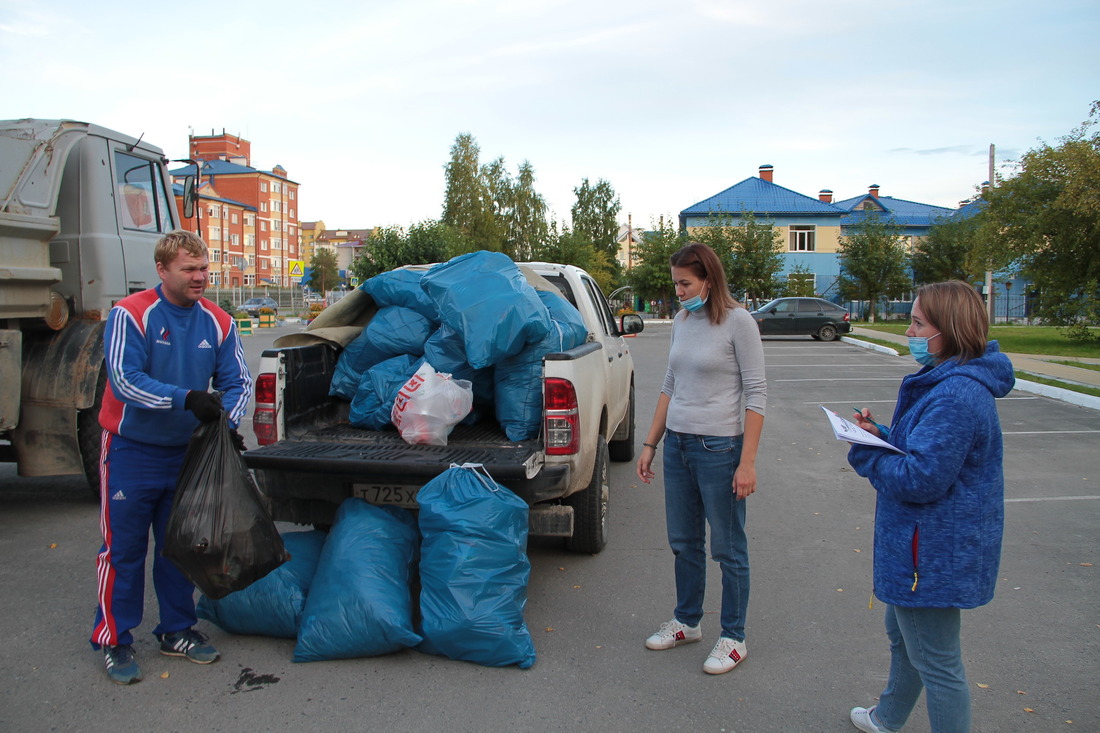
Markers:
<point>956,309</point>
<point>704,263</point>
<point>170,244</point>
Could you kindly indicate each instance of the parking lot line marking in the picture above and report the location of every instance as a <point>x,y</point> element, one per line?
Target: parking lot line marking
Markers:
<point>1046,432</point>
<point>1051,498</point>
<point>840,379</point>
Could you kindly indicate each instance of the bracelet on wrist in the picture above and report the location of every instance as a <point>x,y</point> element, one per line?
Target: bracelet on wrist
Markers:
<point>650,445</point>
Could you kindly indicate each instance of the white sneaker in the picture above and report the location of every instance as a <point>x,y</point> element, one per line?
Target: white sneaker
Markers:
<point>673,633</point>
<point>861,718</point>
<point>725,655</point>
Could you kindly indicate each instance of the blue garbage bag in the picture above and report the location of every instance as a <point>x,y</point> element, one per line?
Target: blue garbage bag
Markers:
<point>518,379</point>
<point>401,287</point>
<point>474,569</point>
<point>446,352</point>
<point>392,331</point>
<point>485,297</point>
<point>272,606</point>
<point>360,604</point>
<point>378,389</point>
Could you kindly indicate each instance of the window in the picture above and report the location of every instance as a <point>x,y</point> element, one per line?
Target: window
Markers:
<point>249,279</point>
<point>291,212</point>
<point>263,225</point>
<point>234,219</point>
<point>263,206</point>
<point>250,241</point>
<point>263,186</point>
<point>235,240</point>
<point>277,225</point>
<point>215,234</point>
<point>212,212</point>
<point>251,260</point>
<point>802,282</point>
<point>250,220</point>
<point>263,245</point>
<point>276,206</point>
<point>290,193</point>
<point>225,212</point>
<point>215,277</point>
<point>275,187</point>
<point>141,194</point>
<point>802,237</point>
<point>215,255</point>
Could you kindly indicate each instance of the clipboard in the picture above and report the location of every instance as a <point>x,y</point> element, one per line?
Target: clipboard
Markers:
<point>848,431</point>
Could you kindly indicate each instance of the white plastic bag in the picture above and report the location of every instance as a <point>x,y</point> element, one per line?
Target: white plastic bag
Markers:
<point>429,406</point>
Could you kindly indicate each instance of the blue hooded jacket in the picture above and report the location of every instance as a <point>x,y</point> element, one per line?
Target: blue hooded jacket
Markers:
<point>940,510</point>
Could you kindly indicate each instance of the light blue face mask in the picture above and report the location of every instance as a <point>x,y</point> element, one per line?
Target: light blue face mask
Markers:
<point>693,304</point>
<point>918,347</point>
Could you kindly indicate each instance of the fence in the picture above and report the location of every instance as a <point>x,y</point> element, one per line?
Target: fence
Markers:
<point>1018,309</point>
<point>290,300</point>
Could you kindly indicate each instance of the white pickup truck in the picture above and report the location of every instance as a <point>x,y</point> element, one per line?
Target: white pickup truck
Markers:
<point>311,458</point>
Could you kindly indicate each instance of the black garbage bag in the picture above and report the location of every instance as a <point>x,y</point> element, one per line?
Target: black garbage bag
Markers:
<point>219,534</point>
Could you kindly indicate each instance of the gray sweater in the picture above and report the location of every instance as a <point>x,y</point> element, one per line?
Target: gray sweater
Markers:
<point>714,373</point>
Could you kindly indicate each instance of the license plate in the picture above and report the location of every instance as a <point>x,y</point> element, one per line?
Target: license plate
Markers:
<point>403,496</point>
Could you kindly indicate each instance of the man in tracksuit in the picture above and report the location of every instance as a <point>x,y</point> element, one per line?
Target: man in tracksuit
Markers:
<point>165,347</point>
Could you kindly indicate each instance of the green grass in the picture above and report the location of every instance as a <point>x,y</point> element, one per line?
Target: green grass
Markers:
<point>1016,339</point>
<point>1081,364</point>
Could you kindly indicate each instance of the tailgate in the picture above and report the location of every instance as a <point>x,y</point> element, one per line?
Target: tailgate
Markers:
<point>349,451</point>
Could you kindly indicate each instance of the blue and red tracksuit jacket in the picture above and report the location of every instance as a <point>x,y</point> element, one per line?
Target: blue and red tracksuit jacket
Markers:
<point>156,353</point>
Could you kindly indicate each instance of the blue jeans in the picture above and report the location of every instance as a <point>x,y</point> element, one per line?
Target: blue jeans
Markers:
<point>699,491</point>
<point>925,652</point>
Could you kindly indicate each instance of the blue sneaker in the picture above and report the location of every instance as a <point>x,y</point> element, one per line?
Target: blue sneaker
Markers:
<point>122,668</point>
<point>188,643</point>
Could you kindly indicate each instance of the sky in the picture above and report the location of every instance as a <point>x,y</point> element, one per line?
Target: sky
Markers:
<point>670,101</point>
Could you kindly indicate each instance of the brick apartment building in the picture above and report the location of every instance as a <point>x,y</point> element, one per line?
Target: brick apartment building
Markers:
<point>248,217</point>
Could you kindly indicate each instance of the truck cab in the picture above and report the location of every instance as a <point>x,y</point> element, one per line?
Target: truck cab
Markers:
<point>81,209</point>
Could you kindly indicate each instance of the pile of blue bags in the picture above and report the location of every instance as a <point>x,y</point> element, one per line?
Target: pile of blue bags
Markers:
<point>474,317</point>
<point>349,593</point>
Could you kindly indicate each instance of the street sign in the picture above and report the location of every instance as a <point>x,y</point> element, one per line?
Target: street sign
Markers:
<point>297,267</point>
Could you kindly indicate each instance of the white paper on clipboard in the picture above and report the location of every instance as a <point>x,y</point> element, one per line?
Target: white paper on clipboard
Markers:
<point>852,433</point>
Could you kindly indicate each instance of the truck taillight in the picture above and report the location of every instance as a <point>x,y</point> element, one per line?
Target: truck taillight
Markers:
<point>264,424</point>
<point>561,420</point>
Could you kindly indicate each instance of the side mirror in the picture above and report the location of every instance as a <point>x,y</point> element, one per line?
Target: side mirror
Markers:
<point>631,323</point>
<point>188,197</point>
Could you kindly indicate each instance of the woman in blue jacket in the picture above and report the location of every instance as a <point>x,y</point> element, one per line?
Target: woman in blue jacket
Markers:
<point>939,513</point>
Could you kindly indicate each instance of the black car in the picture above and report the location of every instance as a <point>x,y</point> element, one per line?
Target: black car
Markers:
<point>802,316</point>
<point>252,306</point>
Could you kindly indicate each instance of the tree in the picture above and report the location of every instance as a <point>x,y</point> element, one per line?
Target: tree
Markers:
<point>570,248</point>
<point>873,261</point>
<point>468,202</point>
<point>425,243</point>
<point>323,273</point>
<point>527,226</point>
<point>755,255</point>
<point>650,277</point>
<point>1047,218</point>
<point>595,216</point>
<point>800,283</point>
<point>951,251</point>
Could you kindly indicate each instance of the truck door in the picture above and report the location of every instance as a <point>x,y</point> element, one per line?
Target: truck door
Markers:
<point>144,213</point>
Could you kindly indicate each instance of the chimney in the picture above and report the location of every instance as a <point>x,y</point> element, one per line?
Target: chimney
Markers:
<point>825,195</point>
<point>873,190</point>
<point>766,173</point>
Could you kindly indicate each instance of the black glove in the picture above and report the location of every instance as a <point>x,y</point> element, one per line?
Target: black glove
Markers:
<point>204,405</point>
<point>238,440</point>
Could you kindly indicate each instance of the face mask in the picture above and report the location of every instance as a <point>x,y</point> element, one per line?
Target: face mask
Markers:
<point>918,347</point>
<point>693,304</point>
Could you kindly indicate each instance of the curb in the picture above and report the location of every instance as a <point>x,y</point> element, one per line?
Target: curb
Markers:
<point>1065,395</point>
<point>869,345</point>
<point>1045,390</point>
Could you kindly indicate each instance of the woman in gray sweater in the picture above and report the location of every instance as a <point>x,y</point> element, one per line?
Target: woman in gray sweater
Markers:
<point>710,412</point>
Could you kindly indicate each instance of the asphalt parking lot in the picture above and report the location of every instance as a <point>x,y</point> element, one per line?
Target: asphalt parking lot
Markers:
<point>815,649</point>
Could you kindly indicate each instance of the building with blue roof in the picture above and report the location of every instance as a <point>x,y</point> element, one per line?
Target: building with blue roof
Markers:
<point>811,228</point>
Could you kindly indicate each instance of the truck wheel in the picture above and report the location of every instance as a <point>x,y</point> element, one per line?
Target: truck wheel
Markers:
<point>623,450</point>
<point>89,433</point>
<point>590,508</point>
